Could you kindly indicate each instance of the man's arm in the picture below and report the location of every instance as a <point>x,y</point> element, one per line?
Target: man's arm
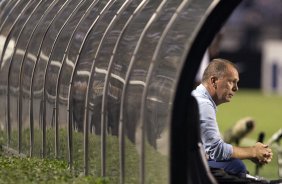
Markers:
<point>259,153</point>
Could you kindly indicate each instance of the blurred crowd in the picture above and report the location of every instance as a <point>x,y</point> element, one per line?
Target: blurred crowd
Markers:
<point>251,24</point>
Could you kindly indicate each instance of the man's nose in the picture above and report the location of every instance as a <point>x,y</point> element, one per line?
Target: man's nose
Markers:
<point>235,87</point>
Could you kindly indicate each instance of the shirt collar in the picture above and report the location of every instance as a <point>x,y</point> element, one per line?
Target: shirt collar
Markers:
<point>205,92</point>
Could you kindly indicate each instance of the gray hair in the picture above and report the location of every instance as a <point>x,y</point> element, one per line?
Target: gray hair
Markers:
<point>217,67</point>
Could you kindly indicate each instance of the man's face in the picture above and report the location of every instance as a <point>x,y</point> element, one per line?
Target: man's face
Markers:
<point>227,85</point>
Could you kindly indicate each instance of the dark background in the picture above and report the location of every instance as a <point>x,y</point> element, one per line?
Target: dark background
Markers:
<point>243,36</point>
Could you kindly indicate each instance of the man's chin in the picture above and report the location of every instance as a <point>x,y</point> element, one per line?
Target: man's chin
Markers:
<point>227,100</point>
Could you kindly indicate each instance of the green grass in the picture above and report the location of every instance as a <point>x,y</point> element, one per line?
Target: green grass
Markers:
<point>37,171</point>
<point>265,109</point>
<point>156,164</point>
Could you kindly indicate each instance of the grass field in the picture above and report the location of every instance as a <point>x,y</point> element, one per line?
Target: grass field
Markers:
<point>49,170</point>
<point>266,110</point>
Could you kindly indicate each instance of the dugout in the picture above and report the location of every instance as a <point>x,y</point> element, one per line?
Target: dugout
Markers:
<point>105,85</point>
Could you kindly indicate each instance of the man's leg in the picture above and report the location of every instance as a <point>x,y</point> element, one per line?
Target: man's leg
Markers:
<point>232,166</point>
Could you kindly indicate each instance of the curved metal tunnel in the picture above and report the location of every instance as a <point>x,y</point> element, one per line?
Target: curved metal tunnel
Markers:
<point>105,84</point>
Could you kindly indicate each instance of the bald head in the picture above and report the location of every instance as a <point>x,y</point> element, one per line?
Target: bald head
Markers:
<point>218,68</point>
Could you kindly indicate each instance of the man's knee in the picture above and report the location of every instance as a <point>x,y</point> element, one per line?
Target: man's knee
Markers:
<point>232,166</point>
<point>236,166</point>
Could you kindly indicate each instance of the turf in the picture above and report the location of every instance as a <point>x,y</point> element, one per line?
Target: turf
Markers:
<point>266,110</point>
<point>40,171</point>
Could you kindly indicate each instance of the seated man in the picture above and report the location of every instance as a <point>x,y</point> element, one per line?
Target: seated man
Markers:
<point>219,84</point>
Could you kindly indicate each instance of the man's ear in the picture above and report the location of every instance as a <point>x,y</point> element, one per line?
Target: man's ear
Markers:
<point>214,81</point>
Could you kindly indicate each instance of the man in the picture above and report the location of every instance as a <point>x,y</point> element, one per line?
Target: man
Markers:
<point>219,84</point>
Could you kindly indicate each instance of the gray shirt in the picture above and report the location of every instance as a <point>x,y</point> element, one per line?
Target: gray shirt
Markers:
<point>214,146</point>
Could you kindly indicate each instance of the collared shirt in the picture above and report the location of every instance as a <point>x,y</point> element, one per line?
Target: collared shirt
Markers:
<point>212,141</point>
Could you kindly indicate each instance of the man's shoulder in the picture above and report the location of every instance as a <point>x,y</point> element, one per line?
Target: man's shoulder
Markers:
<point>202,98</point>
<point>199,95</point>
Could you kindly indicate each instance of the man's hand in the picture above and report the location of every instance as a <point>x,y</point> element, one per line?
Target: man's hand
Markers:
<point>262,154</point>
<point>259,153</point>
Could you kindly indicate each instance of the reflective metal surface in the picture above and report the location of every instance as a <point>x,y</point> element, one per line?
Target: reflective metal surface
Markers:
<point>94,82</point>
